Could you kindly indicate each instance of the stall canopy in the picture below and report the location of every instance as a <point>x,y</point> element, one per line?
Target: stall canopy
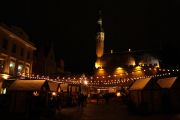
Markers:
<point>27,85</point>
<point>74,88</point>
<point>140,84</point>
<point>53,86</point>
<point>64,87</point>
<point>166,82</point>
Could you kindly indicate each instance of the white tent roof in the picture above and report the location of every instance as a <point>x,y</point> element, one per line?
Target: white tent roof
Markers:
<point>64,87</point>
<point>27,85</point>
<point>140,84</point>
<point>166,82</point>
<point>53,86</point>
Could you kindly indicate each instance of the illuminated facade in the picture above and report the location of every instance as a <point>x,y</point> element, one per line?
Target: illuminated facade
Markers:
<point>16,53</point>
<point>123,64</point>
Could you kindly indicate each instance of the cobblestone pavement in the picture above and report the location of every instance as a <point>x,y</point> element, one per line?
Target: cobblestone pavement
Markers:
<point>111,111</point>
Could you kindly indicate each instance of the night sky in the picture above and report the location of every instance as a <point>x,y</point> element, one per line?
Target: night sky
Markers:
<point>71,25</point>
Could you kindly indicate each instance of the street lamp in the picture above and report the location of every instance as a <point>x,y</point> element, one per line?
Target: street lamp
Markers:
<point>85,82</point>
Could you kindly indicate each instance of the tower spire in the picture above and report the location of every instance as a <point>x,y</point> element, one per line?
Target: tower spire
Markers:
<point>100,22</point>
<point>99,42</point>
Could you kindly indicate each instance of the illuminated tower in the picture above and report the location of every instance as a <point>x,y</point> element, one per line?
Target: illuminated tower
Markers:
<point>99,42</point>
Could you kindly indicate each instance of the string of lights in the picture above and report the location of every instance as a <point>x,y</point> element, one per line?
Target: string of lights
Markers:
<point>102,80</point>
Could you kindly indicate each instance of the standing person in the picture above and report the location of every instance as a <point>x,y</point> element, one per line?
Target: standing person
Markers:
<point>85,99</point>
<point>58,102</point>
<point>61,99</point>
<point>97,98</point>
<point>69,100</point>
<point>82,100</point>
<point>106,98</point>
<point>79,99</point>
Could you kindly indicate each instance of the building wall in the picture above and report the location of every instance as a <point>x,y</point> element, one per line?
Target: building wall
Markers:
<point>44,62</point>
<point>50,63</point>
<point>16,54</point>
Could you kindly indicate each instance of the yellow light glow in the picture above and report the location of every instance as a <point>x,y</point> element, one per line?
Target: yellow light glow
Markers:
<point>35,93</point>
<point>138,68</point>
<point>157,66</point>
<point>119,71</point>
<point>101,69</point>
<point>101,72</point>
<point>54,94</point>
<point>5,76</point>
<point>98,64</point>
<point>119,68</point>
<point>138,71</point>
<point>85,82</point>
<point>118,94</point>
<point>11,65</point>
<point>3,91</point>
<point>19,67</point>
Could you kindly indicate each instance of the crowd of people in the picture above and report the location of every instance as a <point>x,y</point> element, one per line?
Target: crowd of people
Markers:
<point>67,100</point>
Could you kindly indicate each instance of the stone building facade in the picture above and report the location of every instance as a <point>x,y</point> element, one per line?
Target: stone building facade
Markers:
<point>16,53</point>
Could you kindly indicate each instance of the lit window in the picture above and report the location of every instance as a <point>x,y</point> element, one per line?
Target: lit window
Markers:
<point>27,71</point>
<point>11,67</point>
<point>3,91</point>
<point>20,68</point>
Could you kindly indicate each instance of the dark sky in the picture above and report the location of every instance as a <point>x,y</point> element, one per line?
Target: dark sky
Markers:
<point>71,25</point>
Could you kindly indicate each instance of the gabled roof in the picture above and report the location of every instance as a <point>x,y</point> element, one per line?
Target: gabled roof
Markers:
<point>166,82</point>
<point>53,86</point>
<point>140,84</point>
<point>27,85</point>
